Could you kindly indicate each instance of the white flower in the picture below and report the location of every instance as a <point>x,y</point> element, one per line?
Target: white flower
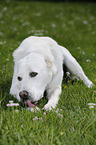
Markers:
<point>5,9</point>
<point>8,105</point>
<point>91,107</point>
<point>15,29</point>
<point>33,109</point>
<point>1,34</point>
<point>7,59</point>
<point>57,109</point>
<point>78,47</point>
<point>36,118</point>
<point>83,52</point>
<point>90,104</point>
<point>17,111</point>
<point>1,43</point>
<point>4,42</point>
<point>53,25</point>
<point>37,14</point>
<point>11,101</point>
<point>13,104</point>
<point>93,33</point>
<point>85,22</point>
<point>68,74</point>
<point>44,113</point>
<point>25,24</point>
<point>88,60</point>
<point>73,128</point>
<point>21,126</point>
<point>40,118</point>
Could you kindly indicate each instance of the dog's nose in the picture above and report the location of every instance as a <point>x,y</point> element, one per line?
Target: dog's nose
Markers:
<point>23,95</point>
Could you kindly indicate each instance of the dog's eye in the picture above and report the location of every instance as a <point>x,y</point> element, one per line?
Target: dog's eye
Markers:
<point>19,78</point>
<point>33,74</point>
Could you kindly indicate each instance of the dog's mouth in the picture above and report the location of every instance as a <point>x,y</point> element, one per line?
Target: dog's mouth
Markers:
<point>28,103</point>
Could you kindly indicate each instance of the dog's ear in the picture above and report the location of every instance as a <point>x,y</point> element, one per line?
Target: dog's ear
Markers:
<point>49,59</point>
<point>51,65</point>
<point>18,54</point>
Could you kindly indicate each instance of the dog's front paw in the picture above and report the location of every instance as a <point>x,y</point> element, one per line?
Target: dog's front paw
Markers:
<point>90,84</point>
<point>33,109</point>
<point>48,107</point>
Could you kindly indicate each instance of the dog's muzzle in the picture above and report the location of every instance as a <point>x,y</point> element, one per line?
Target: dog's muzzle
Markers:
<point>23,95</point>
<point>25,99</point>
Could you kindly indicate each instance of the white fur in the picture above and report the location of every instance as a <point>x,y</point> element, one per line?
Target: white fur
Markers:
<point>44,56</point>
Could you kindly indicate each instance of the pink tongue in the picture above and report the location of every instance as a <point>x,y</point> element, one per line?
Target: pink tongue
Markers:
<point>30,104</point>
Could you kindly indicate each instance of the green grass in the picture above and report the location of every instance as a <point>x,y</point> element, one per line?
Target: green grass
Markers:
<point>72,25</point>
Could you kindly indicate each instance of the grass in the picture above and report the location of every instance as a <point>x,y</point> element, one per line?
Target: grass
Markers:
<point>72,25</point>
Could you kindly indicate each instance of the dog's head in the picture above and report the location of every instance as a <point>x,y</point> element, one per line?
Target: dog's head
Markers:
<point>31,76</point>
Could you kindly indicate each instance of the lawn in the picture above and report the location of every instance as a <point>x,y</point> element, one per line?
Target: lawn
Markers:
<point>72,25</point>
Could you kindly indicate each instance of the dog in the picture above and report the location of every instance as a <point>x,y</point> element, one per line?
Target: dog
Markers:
<point>38,66</point>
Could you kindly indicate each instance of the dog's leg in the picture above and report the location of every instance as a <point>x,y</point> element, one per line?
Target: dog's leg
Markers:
<point>74,67</point>
<point>53,98</point>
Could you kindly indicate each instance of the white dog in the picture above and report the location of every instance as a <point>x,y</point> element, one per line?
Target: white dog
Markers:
<point>39,67</point>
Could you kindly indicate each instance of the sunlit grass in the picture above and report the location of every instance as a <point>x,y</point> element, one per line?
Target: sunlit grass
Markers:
<point>72,25</point>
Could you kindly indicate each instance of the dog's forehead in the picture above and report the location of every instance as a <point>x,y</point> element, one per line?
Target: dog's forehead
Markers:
<point>32,62</point>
